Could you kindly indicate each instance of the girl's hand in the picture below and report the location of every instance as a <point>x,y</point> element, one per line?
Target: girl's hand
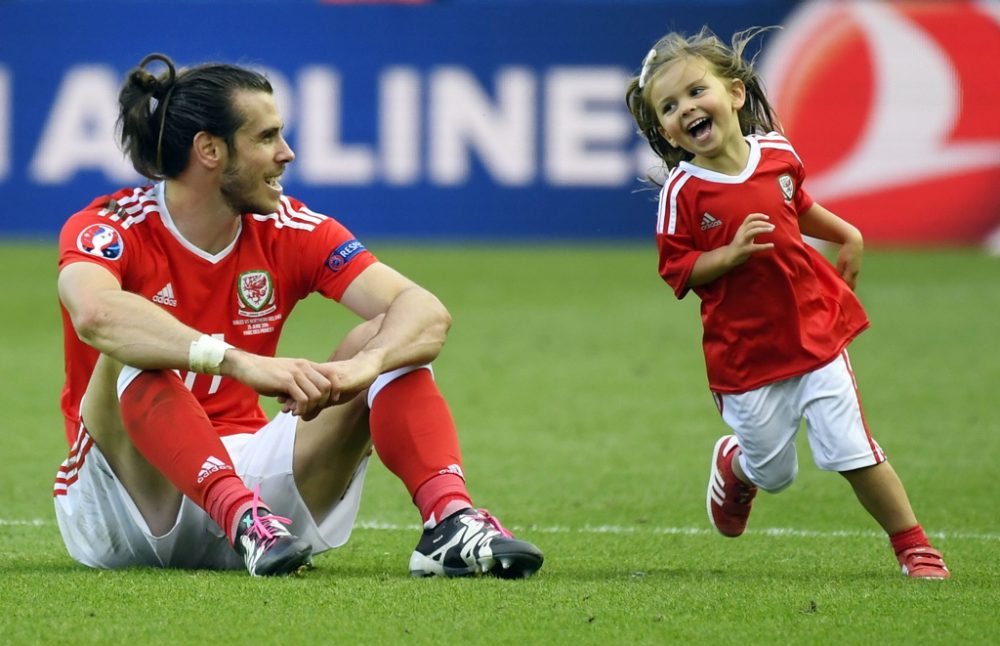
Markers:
<point>825,225</point>
<point>849,260</point>
<point>712,264</point>
<point>744,244</point>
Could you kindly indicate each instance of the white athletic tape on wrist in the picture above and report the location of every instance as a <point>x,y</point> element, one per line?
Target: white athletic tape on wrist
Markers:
<point>206,354</point>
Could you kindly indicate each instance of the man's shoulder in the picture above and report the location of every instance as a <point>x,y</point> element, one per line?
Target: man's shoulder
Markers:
<point>121,209</point>
<point>292,215</point>
<point>110,228</point>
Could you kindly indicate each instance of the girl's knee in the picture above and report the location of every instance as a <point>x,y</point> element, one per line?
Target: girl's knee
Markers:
<point>773,480</point>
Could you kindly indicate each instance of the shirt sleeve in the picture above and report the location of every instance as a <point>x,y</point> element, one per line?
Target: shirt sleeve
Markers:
<point>90,236</point>
<point>802,200</point>
<point>677,258</point>
<point>336,257</point>
<point>677,252</point>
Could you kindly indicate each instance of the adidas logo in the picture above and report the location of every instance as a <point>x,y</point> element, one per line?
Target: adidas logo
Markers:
<point>453,468</point>
<point>707,222</point>
<point>166,296</point>
<point>211,465</point>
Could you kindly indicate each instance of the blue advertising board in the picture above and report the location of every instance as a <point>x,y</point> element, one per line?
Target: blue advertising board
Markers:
<point>448,121</point>
<point>491,119</point>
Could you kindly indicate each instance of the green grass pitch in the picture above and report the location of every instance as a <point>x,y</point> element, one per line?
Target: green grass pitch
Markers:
<point>578,386</point>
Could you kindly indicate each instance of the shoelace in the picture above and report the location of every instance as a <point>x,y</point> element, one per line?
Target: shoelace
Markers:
<point>486,517</point>
<point>260,526</point>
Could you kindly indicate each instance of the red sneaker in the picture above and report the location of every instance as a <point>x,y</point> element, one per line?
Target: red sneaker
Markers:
<point>923,563</point>
<point>729,498</point>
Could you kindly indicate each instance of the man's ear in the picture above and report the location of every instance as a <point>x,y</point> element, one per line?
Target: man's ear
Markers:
<point>207,150</point>
<point>738,93</point>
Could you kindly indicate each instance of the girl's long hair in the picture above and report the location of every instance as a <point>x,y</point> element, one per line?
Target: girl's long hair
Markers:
<point>727,61</point>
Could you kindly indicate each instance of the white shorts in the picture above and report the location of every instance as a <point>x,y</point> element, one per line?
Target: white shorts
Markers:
<point>766,421</point>
<point>102,526</point>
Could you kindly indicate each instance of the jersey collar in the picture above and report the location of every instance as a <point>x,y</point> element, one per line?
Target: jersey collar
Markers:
<point>168,222</point>
<point>712,176</point>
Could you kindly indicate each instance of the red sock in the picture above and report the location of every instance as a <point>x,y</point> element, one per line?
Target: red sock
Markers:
<point>226,500</point>
<point>415,436</point>
<point>171,430</point>
<point>912,537</point>
<point>440,497</point>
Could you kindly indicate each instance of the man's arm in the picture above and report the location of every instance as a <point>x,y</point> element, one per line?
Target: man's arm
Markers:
<point>120,324</point>
<point>138,333</point>
<point>412,332</point>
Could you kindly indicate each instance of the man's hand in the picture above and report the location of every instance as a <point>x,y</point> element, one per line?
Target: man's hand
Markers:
<point>351,376</point>
<point>300,386</point>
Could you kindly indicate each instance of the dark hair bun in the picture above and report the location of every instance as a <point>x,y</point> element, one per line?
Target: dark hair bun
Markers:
<point>157,86</point>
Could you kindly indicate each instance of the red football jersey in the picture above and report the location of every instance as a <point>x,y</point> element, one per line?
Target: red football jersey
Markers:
<point>782,313</point>
<point>243,294</point>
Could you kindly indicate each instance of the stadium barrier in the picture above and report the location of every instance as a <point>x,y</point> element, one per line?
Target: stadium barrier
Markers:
<point>491,120</point>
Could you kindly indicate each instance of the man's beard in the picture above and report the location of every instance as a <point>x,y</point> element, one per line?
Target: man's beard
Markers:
<point>237,188</point>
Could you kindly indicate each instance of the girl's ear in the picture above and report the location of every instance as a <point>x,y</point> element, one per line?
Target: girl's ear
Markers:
<point>738,93</point>
<point>663,133</point>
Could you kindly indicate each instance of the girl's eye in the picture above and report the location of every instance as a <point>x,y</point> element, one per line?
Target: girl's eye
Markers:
<point>696,91</point>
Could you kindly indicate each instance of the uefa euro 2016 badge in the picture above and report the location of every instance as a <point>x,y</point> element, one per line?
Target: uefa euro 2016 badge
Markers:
<point>255,290</point>
<point>102,241</point>
<point>787,185</point>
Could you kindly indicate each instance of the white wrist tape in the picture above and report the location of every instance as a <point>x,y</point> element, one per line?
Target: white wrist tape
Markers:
<point>206,354</point>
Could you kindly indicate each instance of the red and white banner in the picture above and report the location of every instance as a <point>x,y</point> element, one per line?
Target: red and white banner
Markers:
<point>895,110</point>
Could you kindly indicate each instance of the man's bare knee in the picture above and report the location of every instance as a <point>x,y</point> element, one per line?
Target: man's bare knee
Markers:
<point>99,409</point>
<point>357,337</point>
<point>156,498</point>
<point>327,452</point>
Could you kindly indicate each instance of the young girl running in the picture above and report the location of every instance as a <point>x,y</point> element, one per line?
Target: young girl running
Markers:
<point>777,315</point>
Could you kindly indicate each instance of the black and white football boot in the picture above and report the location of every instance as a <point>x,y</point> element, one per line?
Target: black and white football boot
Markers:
<point>471,542</point>
<point>267,547</point>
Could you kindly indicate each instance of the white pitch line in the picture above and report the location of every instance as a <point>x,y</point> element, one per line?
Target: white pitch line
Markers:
<point>621,530</point>
<point>15,522</point>
<point>696,531</point>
